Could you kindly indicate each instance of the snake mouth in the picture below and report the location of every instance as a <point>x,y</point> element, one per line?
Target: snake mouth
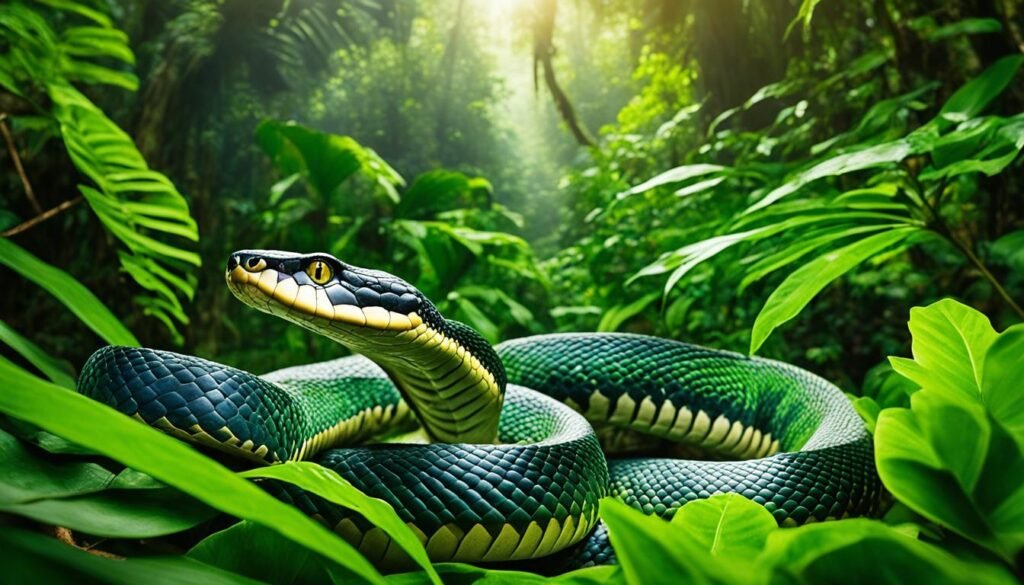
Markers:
<point>320,289</point>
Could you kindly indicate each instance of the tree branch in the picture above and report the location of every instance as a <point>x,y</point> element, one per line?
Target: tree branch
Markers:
<point>13,149</point>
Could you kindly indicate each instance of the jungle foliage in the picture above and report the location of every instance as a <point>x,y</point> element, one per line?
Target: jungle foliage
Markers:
<point>795,179</point>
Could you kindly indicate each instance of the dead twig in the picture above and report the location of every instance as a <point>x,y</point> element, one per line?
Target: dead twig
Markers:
<point>41,217</point>
<point>67,537</point>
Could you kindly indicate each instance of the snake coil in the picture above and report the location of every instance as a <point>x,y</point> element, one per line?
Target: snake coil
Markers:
<point>518,434</point>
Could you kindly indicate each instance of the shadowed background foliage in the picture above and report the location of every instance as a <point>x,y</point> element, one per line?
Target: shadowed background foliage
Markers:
<point>783,177</point>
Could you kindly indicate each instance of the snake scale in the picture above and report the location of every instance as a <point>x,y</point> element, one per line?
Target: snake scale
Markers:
<point>520,436</point>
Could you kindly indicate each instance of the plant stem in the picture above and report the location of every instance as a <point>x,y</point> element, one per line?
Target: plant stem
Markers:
<point>973,258</point>
<point>964,247</point>
<point>13,149</point>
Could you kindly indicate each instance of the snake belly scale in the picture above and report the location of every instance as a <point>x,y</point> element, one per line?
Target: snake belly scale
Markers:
<point>519,436</point>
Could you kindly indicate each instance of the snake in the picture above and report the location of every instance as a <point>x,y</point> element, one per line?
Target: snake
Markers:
<point>497,453</point>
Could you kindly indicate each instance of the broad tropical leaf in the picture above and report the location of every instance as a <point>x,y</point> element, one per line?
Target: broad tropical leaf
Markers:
<point>103,429</point>
<point>67,290</point>
<point>807,281</point>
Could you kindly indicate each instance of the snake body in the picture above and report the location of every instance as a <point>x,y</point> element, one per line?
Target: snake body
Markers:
<point>514,468</point>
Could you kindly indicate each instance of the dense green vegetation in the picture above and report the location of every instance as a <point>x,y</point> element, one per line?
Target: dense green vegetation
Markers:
<point>794,179</point>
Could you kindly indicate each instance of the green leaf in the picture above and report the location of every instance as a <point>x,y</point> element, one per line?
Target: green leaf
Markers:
<point>949,345</point>
<point>434,192</point>
<point>137,205</point>
<point>1001,389</point>
<point>727,525</point>
<point>136,445</point>
<point>325,160</point>
<point>278,189</point>
<point>867,551</point>
<point>867,158</point>
<point>981,145</point>
<point>676,175</point>
<point>804,15</point>
<point>57,371</point>
<point>469,312</point>
<point>801,286</point>
<point>48,442</point>
<point>30,557</point>
<point>329,485</point>
<point>143,513</point>
<point>800,247</point>
<point>699,187</point>
<point>500,301</point>
<point>463,574</point>
<point>686,258</point>
<point>967,26</point>
<point>614,317</point>
<point>1009,250</point>
<point>68,291</point>
<point>868,410</point>
<point>253,551</point>
<point>971,99</point>
<point>945,460</point>
<point>650,550</point>
<point>887,387</point>
<point>28,476</point>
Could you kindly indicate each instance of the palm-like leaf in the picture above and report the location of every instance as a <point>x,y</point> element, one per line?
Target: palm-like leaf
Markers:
<point>139,206</point>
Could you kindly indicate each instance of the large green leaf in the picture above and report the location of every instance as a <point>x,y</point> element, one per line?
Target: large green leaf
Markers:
<point>1001,389</point>
<point>256,552</point>
<point>652,551</point>
<point>144,513</point>
<point>325,160</point>
<point>867,551</point>
<point>434,192</point>
<point>57,371</point>
<point>684,259</point>
<point>980,145</point>
<point>28,476</point>
<point>614,317</point>
<point>67,290</point>
<point>34,558</point>
<point>79,53</point>
<point>953,345</point>
<point>967,26</point>
<point>801,286</point>
<point>463,574</point>
<point>971,99</point>
<point>676,175</point>
<point>109,432</point>
<point>946,461</point>
<point>727,525</point>
<point>866,158</point>
<point>138,205</point>
<point>950,341</point>
<point>880,121</point>
<point>823,217</point>
<point>803,246</point>
<point>327,484</point>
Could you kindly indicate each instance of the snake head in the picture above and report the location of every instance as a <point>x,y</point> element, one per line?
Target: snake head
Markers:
<point>322,293</point>
<point>449,374</point>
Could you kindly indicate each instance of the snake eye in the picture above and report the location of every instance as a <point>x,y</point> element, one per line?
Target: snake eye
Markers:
<point>319,271</point>
<point>255,264</point>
